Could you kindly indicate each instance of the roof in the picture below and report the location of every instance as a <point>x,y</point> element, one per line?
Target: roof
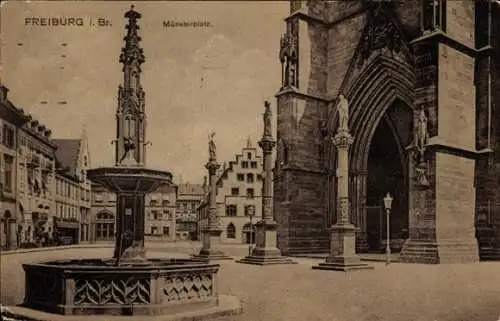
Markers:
<point>67,153</point>
<point>191,189</point>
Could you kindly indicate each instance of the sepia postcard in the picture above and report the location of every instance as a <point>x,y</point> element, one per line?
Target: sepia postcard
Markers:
<point>250,160</point>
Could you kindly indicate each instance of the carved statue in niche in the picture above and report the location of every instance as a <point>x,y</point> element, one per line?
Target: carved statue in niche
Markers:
<point>283,152</point>
<point>288,56</point>
<point>421,134</point>
<point>343,110</point>
<point>421,174</point>
<point>128,147</point>
<point>284,59</point>
<point>212,147</point>
<point>319,138</point>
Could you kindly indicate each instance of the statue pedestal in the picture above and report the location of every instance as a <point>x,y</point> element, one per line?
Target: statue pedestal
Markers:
<point>343,251</point>
<point>211,249</point>
<point>266,252</point>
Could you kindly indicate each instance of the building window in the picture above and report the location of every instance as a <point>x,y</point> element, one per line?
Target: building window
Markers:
<point>244,164</point>
<point>105,226</point>
<point>249,155</point>
<point>253,164</point>
<point>250,193</point>
<point>112,197</point>
<point>8,136</point>
<point>231,231</point>
<point>8,172</point>
<point>434,15</point>
<point>235,191</point>
<point>241,177</point>
<point>231,210</point>
<point>165,203</point>
<point>166,231</point>
<point>153,203</point>
<point>154,230</point>
<point>250,178</point>
<point>98,197</point>
<point>259,177</point>
<point>156,215</point>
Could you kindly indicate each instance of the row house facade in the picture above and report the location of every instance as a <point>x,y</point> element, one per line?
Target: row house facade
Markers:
<point>160,209</point>
<point>73,190</point>
<point>239,197</point>
<point>186,214</point>
<point>36,182</point>
<point>11,120</point>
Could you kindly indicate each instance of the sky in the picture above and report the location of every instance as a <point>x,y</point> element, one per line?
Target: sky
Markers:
<point>196,79</point>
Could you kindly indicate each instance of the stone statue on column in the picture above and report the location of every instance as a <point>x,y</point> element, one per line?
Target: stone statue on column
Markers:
<point>343,110</point>
<point>212,147</point>
<point>267,120</point>
<point>343,255</point>
<point>266,251</point>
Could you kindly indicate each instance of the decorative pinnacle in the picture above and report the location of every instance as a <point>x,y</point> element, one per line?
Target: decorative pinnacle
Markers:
<point>132,52</point>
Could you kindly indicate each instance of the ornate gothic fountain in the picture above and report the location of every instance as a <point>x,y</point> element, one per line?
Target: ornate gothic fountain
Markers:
<point>129,283</point>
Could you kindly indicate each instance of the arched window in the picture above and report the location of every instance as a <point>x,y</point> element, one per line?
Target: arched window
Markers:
<point>231,231</point>
<point>105,226</point>
<point>164,203</point>
<point>153,203</point>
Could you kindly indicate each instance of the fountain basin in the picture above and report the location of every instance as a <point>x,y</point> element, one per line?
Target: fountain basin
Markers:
<point>129,179</point>
<point>98,287</point>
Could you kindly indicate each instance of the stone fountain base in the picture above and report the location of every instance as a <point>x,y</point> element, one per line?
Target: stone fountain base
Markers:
<point>72,289</point>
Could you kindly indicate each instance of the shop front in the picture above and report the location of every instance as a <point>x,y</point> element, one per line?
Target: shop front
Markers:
<point>66,231</point>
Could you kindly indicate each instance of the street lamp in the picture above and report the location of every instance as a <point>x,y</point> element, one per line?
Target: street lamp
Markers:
<point>388,204</point>
<point>250,213</point>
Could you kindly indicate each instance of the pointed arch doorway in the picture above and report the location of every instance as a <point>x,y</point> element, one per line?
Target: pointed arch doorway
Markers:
<point>387,172</point>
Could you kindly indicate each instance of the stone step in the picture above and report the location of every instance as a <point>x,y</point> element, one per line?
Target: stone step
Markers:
<point>489,254</point>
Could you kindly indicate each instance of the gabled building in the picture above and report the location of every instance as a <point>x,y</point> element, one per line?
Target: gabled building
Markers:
<point>72,219</point>
<point>239,194</point>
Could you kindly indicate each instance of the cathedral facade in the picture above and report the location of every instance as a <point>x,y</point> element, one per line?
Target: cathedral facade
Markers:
<point>422,83</point>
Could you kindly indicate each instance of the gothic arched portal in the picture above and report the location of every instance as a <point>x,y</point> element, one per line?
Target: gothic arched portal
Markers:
<point>383,88</point>
<point>387,172</point>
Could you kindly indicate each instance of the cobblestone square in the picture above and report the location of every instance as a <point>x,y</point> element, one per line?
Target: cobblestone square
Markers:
<point>461,292</point>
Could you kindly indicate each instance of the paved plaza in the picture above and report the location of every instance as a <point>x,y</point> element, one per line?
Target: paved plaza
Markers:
<point>468,292</point>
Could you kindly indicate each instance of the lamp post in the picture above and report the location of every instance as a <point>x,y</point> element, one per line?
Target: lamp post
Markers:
<point>387,205</point>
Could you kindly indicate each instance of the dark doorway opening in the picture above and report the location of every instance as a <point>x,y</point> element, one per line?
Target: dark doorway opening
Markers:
<point>387,173</point>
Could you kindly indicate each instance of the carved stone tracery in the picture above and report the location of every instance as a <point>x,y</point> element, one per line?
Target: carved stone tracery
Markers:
<point>381,32</point>
<point>187,287</point>
<point>288,55</point>
<point>109,291</point>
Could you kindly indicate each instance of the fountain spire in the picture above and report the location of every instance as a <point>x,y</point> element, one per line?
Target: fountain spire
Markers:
<point>130,114</point>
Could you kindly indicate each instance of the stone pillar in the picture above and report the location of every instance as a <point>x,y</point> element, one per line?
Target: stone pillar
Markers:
<point>443,163</point>
<point>266,251</point>
<point>129,244</point>
<point>343,233</point>
<point>211,249</point>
